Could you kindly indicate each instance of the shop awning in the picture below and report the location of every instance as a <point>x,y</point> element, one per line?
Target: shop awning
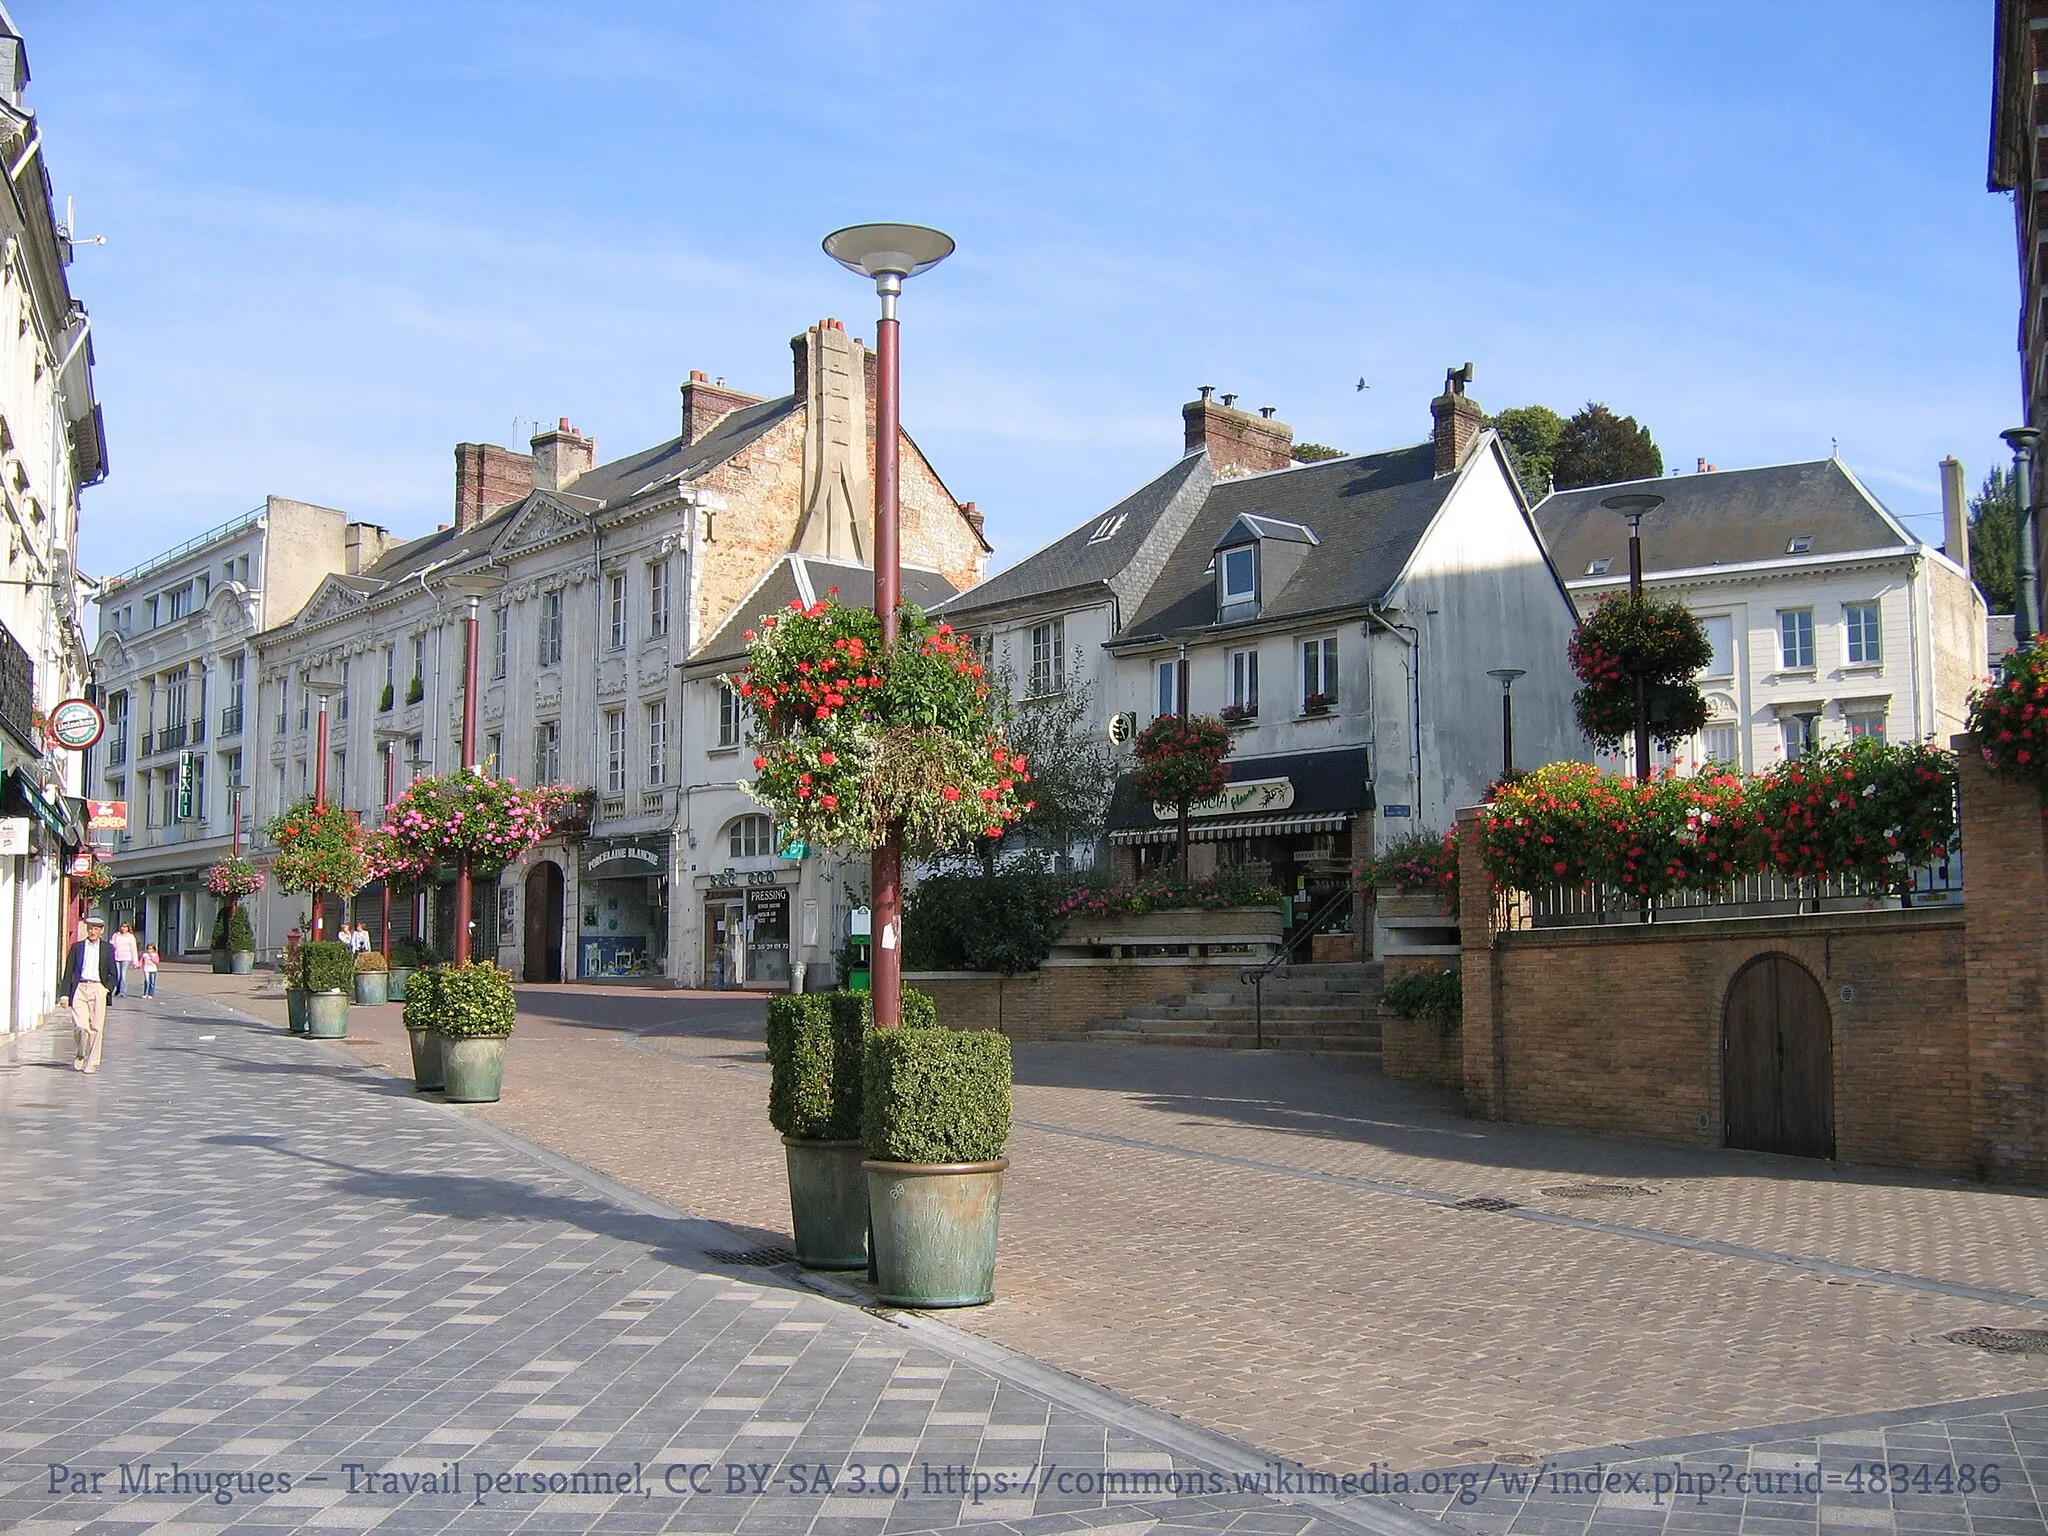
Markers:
<point>23,792</point>
<point>1244,826</point>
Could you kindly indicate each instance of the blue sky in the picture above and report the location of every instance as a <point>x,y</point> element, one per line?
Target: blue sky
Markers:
<point>341,239</point>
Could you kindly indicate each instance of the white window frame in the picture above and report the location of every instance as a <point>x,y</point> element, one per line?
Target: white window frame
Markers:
<point>548,630</point>
<point>1795,629</point>
<point>1048,658</point>
<point>1165,689</point>
<point>1727,655</point>
<point>1863,634</point>
<point>547,751</point>
<point>615,591</point>
<point>732,717</point>
<point>1248,555</point>
<point>657,743</point>
<point>615,751</point>
<point>501,641</point>
<point>1319,676</point>
<point>1860,723</point>
<point>751,837</point>
<point>1244,679</point>
<point>657,599</point>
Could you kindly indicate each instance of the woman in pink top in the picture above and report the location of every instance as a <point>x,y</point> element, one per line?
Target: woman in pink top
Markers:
<point>127,953</point>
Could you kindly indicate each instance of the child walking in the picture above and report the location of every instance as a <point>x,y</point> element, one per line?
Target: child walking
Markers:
<point>150,961</point>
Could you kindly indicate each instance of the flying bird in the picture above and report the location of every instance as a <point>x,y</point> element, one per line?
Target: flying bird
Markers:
<point>1361,382</point>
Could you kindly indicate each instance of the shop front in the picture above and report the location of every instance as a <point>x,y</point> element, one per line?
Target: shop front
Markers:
<point>623,926</point>
<point>1294,817</point>
<point>747,928</point>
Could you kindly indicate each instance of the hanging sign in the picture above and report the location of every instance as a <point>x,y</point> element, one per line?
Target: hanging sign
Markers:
<point>13,835</point>
<point>1247,797</point>
<point>107,815</point>
<point>76,724</point>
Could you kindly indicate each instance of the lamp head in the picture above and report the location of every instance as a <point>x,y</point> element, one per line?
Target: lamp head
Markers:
<point>2021,439</point>
<point>1633,503</point>
<point>888,250</point>
<point>472,585</point>
<point>1507,676</point>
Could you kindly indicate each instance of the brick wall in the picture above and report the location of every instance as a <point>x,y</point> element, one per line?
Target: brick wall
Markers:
<point>1059,1000</point>
<point>2005,857</point>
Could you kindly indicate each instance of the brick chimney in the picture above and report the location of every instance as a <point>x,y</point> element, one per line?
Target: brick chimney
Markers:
<point>487,479</point>
<point>707,402</point>
<point>1239,442</point>
<point>1955,512</point>
<point>561,456</point>
<point>974,518</point>
<point>1459,421</point>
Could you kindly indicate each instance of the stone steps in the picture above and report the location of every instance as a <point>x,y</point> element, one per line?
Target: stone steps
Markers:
<point>1324,1009</point>
<point>1316,1045</point>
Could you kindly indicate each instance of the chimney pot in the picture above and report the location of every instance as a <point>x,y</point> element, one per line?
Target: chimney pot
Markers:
<point>1230,400</point>
<point>697,376</point>
<point>1459,421</point>
<point>1267,411</point>
<point>1206,390</point>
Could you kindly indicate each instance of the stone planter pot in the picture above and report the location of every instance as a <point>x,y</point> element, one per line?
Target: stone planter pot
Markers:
<point>935,1231</point>
<point>473,1068</point>
<point>242,962</point>
<point>828,1203</point>
<point>370,987</point>
<point>1413,904</point>
<point>220,962</point>
<point>295,1009</point>
<point>327,1015</point>
<point>394,985</point>
<point>1193,925</point>
<point>426,1060</point>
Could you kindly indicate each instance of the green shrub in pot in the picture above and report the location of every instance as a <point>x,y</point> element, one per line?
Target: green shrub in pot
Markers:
<point>373,977</point>
<point>473,1010</point>
<point>932,1095</point>
<point>814,1067</point>
<point>327,972</point>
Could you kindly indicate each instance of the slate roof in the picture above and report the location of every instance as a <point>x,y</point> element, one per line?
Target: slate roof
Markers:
<point>1721,517</point>
<point>1367,513</point>
<point>786,582</point>
<point>1116,562</point>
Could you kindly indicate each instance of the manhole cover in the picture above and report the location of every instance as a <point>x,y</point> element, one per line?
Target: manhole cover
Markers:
<point>636,1304</point>
<point>1487,1203</point>
<point>2003,1341</point>
<point>1596,1191</point>
<point>765,1258</point>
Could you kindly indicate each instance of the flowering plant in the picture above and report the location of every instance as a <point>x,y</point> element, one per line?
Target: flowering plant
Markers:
<point>232,879</point>
<point>1425,861</point>
<point>1167,891</point>
<point>1626,638</point>
<point>1181,758</point>
<point>1867,808</point>
<point>443,816</point>
<point>317,849</point>
<point>852,739</point>
<point>2009,718</point>
<point>94,881</point>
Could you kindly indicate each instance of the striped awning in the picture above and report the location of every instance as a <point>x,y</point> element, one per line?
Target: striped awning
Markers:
<point>1229,829</point>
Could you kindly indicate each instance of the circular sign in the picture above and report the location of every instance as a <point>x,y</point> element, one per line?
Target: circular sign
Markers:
<point>76,724</point>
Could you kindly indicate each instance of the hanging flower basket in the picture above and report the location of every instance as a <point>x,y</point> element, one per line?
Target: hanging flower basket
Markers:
<point>1182,759</point>
<point>2009,718</point>
<point>441,817</point>
<point>1626,638</point>
<point>317,850</point>
<point>232,879</point>
<point>851,739</point>
<point>94,882</point>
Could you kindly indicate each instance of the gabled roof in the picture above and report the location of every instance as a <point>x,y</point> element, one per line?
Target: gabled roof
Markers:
<point>1368,514</point>
<point>1722,517</point>
<point>1107,551</point>
<point>805,579</point>
<point>1249,526</point>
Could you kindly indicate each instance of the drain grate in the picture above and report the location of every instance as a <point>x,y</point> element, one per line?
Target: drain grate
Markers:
<point>1596,1191</point>
<point>2003,1341</point>
<point>1486,1203</point>
<point>764,1258</point>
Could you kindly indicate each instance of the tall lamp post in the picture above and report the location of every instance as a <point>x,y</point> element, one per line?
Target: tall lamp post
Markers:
<point>2027,608</point>
<point>472,587</point>
<point>1506,677</point>
<point>323,692</point>
<point>1632,506</point>
<point>235,792</point>
<point>888,253</point>
<point>415,765</point>
<point>387,742</point>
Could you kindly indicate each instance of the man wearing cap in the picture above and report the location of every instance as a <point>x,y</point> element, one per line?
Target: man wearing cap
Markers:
<point>90,974</point>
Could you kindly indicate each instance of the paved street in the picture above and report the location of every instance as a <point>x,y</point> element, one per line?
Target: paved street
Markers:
<point>1271,1249</point>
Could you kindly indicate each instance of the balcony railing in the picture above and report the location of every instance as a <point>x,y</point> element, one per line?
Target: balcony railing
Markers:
<point>117,750</point>
<point>170,739</point>
<point>231,720</point>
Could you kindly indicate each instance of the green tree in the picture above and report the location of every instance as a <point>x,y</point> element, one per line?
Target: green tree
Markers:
<point>1531,433</point>
<point>1598,447</point>
<point>1994,537</point>
<point>1072,771</point>
<point>1310,453</point>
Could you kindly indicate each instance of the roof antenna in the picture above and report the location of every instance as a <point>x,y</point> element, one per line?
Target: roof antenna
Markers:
<point>1834,447</point>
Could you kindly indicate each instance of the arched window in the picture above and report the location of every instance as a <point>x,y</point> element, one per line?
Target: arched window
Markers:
<point>751,837</point>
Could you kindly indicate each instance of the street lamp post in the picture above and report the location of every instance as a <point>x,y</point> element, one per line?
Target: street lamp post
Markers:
<point>388,740</point>
<point>888,253</point>
<point>1180,708</point>
<point>235,792</point>
<point>415,765</point>
<point>323,692</point>
<point>2027,605</point>
<point>1507,676</point>
<point>471,587</point>
<point>1632,506</point>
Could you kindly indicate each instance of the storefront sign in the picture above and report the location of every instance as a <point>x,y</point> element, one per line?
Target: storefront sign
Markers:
<point>623,858</point>
<point>732,879</point>
<point>76,724</point>
<point>107,815</point>
<point>81,864</point>
<point>1250,797</point>
<point>13,835</point>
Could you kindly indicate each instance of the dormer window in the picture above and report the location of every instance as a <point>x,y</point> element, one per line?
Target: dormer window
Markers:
<point>1238,570</point>
<point>1799,544</point>
<point>1601,566</point>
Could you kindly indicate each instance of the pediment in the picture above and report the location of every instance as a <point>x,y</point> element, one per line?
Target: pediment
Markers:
<point>333,600</point>
<point>542,521</point>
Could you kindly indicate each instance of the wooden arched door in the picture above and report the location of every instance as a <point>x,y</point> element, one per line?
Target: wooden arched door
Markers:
<point>1777,1061</point>
<point>543,944</point>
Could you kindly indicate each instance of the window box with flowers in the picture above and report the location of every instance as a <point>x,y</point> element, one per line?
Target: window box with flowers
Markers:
<point>1239,717</point>
<point>854,740</point>
<point>1319,704</point>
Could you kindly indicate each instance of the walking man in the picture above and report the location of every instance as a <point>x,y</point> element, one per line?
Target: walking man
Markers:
<point>90,976</point>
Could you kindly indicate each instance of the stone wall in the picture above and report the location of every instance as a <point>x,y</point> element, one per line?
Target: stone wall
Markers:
<point>1060,999</point>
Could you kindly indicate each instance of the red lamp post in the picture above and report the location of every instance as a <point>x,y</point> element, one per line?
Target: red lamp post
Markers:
<point>888,253</point>
<point>1632,507</point>
<point>323,692</point>
<point>388,741</point>
<point>471,587</point>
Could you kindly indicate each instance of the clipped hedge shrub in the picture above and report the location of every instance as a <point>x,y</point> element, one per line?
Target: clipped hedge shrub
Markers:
<point>472,1001</point>
<point>423,998</point>
<point>919,1011</point>
<point>1435,998</point>
<point>241,935</point>
<point>935,1095</point>
<point>326,966</point>
<point>413,955</point>
<point>371,960</point>
<point>814,1067</point>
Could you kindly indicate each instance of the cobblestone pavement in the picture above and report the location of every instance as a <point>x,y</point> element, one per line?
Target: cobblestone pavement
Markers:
<point>251,1285</point>
<point>1271,1247</point>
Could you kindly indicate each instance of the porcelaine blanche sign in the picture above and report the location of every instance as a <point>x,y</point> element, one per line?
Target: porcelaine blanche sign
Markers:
<point>1249,798</point>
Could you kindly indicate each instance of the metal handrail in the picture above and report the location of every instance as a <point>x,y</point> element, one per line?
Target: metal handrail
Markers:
<point>1254,976</point>
<point>178,552</point>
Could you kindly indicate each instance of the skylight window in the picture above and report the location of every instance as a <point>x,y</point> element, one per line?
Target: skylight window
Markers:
<point>1107,528</point>
<point>1599,567</point>
<point>1799,544</point>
